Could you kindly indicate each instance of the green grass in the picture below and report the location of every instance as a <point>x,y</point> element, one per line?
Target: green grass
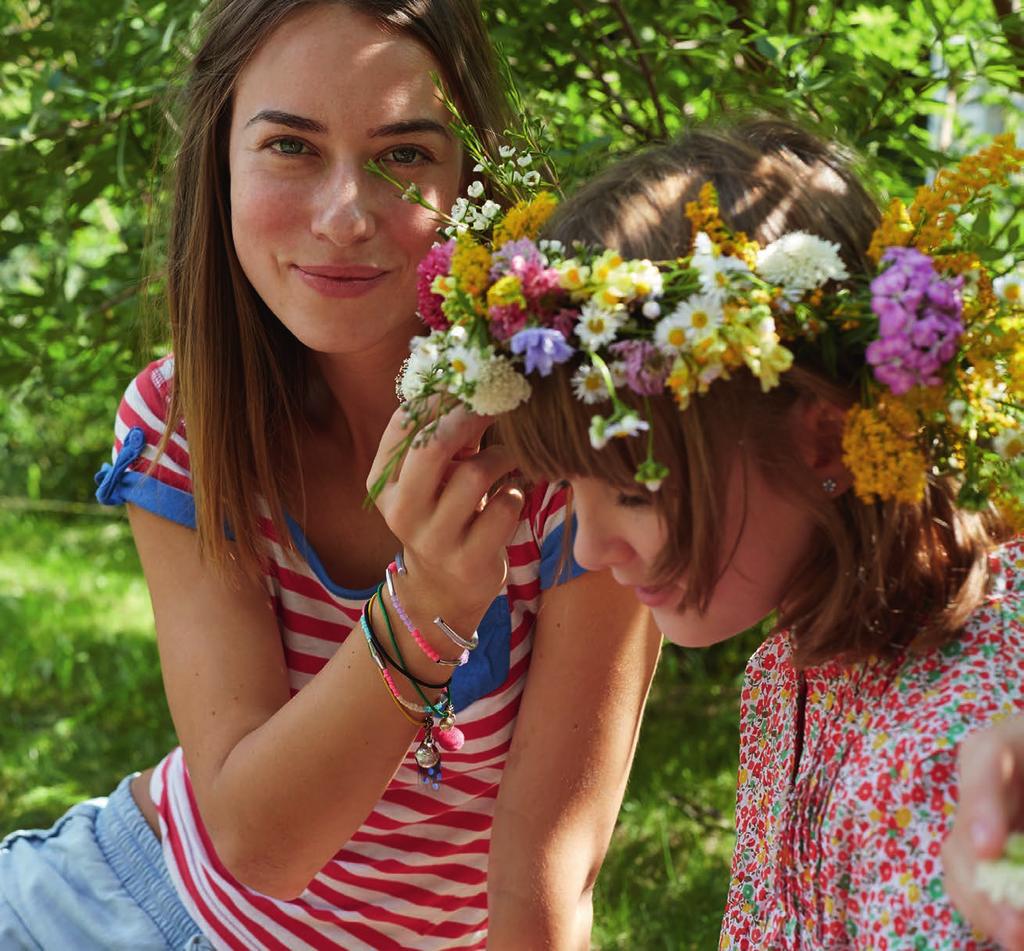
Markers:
<point>83,704</point>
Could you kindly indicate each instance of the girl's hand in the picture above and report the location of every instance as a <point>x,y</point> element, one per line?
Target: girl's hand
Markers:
<point>452,522</point>
<point>991,807</point>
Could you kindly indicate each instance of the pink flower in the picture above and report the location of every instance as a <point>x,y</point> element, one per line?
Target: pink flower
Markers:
<point>436,264</point>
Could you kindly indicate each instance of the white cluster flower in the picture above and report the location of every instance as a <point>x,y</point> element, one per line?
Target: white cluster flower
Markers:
<point>1010,287</point>
<point>717,271</point>
<point>476,188</point>
<point>598,325</point>
<point>466,215</point>
<point>589,386</point>
<point>1009,442</point>
<point>421,366</point>
<point>499,388</point>
<point>799,262</point>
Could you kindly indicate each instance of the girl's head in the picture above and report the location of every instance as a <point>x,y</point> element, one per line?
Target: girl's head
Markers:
<point>283,244</point>
<point>756,513</point>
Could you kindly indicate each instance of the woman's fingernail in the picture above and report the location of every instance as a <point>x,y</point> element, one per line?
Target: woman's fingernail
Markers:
<point>982,834</point>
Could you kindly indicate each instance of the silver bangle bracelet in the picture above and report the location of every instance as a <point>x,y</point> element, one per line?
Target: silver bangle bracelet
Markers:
<point>466,645</point>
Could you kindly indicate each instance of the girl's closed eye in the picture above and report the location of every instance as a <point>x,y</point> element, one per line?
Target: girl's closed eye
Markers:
<point>631,500</point>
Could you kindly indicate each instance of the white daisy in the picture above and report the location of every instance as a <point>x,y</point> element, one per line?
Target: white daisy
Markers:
<point>588,385</point>
<point>629,425</point>
<point>716,270</point>
<point>1010,287</point>
<point>693,320</point>
<point>798,262</point>
<point>597,325</point>
<point>466,361</point>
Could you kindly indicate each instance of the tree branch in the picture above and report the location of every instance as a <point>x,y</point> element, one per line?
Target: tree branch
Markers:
<point>645,67</point>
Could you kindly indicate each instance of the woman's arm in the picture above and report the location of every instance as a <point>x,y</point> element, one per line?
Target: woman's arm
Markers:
<point>594,653</point>
<point>283,783</point>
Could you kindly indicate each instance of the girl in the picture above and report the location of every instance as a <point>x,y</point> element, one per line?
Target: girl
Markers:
<point>752,428</point>
<point>376,751</point>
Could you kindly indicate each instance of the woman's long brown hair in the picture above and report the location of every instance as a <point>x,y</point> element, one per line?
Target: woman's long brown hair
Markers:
<point>240,378</point>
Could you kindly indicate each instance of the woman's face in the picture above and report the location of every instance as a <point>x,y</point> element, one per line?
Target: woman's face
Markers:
<point>625,533</point>
<point>329,246</point>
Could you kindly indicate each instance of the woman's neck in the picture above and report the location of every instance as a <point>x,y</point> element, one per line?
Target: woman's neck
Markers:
<point>358,397</point>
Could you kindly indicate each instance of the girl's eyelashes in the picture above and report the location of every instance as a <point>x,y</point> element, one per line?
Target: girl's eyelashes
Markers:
<point>631,500</point>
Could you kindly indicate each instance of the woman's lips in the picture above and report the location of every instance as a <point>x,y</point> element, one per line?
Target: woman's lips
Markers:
<point>345,281</point>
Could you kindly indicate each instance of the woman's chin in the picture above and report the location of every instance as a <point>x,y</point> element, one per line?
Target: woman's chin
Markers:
<point>689,629</point>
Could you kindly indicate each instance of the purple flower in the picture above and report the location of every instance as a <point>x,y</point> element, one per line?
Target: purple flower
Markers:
<point>643,365</point>
<point>920,320</point>
<point>437,262</point>
<point>543,348</point>
<point>522,259</point>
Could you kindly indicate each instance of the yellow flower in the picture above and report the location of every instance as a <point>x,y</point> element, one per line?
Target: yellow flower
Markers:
<point>471,265</point>
<point>524,219</point>
<point>880,450</point>
<point>704,216</point>
<point>504,291</point>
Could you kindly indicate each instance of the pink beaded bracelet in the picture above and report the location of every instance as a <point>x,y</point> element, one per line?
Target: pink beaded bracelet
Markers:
<point>421,642</point>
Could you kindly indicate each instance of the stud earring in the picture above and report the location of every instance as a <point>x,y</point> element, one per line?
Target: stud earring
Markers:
<point>829,485</point>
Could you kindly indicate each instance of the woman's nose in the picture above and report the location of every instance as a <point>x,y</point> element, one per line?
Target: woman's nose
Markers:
<point>343,211</point>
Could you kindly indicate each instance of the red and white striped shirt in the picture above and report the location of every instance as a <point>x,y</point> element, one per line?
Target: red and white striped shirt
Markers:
<point>415,873</point>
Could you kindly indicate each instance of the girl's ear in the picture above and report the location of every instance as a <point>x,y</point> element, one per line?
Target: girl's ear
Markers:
<point>819,439</point>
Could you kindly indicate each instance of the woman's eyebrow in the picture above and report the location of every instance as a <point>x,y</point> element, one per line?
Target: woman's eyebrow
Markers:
<point>289,119</point>
<point>409,127</point>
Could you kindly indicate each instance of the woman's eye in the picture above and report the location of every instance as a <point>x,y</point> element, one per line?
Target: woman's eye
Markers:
<point>287,146</point>
<point>406,155</point>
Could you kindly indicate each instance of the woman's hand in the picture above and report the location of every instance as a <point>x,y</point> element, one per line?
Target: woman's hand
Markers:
<point>991,807</point>
<point>452,521</point>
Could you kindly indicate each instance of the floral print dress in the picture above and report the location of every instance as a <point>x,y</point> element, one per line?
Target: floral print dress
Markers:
<point>839,848</point>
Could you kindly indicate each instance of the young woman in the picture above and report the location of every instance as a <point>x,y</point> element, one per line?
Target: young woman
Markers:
<point>707,415</point>
<point>306,806</point>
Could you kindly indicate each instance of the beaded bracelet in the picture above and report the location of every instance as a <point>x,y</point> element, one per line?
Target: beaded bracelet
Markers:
<point>421,642</point>
<point>390,661</point>
<point>427,755</point>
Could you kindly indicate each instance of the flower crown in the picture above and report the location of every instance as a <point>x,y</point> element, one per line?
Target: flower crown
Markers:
<point>937,344</point>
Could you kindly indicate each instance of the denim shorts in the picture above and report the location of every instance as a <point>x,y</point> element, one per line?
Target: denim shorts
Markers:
<point>95,881</point>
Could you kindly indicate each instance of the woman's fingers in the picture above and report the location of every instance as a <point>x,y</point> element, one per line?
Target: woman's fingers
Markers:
<point>991,784</point>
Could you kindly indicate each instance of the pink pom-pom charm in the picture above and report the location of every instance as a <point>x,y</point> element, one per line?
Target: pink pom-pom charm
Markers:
<point>450,740</point>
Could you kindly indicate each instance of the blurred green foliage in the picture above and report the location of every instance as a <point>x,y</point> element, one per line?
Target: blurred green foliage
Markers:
<point>86,127</point>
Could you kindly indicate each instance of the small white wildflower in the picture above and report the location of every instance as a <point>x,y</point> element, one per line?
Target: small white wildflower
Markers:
<point>490,209</point>
<point>798,262</point>
<point>531,179</point>
<point>459,209</point>
<point>524,160</point>
<point>466,362</point>
<point>478,167</point>
<point>476,189</point>
<point>628,425</point>
<point>499,388</point>
<point>1010,287</point>
<point>506,151</point>
<point>957,411</point>
<point>716,270</point>
<point>588,385</point>
<point>457,334</point>
<point>597,325</point>
<point>598,432</point>
<point>550,246</point>
<point>651,309</point>
<point>421,366</point>
<point>653,485</point>
<point>411,192</point>
<point>693,320</point>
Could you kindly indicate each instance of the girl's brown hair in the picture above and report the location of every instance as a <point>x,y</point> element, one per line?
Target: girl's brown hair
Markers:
<point>241,380</point>
<point>876,576</point>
